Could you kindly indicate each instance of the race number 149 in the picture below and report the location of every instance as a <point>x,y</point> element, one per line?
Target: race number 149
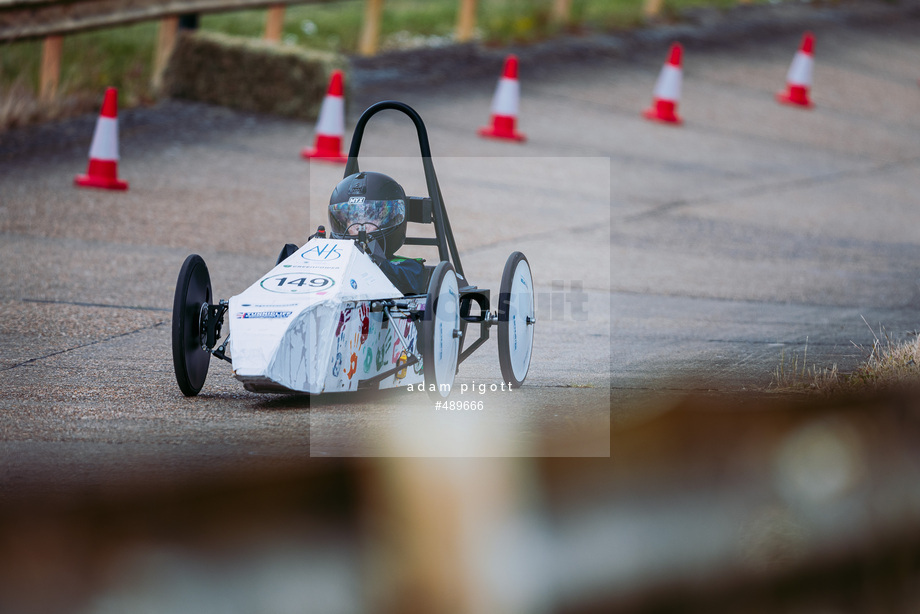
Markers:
<point>296,284</point>
<point>315,282</point>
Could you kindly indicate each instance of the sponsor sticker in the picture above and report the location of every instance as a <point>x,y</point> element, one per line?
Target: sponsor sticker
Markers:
<point>268,315</point>
<point>322,253</point>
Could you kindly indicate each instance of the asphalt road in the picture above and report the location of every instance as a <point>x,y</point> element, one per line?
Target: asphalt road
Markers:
<point>668,260</point>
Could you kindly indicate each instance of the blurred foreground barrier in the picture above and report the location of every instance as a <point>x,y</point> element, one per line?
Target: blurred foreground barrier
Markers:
<point>745,506</point>
<point>714,506</point>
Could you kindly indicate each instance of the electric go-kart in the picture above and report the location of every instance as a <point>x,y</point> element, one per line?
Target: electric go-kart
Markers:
<point>327,319</point>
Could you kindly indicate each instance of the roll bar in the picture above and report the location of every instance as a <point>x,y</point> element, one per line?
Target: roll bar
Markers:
<point>447,247</point>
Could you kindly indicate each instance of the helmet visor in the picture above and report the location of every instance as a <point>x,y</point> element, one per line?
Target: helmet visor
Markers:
<point>347,217</point>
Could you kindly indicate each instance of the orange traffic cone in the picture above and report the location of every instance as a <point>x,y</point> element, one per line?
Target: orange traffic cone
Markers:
<point>103,153</point>
<point>799,77</point>
<point>667,90</point>
<point>330,126</point>
<point>505,104</point>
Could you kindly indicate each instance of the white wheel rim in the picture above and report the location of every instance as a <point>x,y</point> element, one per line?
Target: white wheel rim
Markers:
<point>446,342</point>
<point>520,320</point>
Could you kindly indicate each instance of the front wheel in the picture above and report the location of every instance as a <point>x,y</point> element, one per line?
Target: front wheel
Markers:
<point>516,319</point>
<point>189,318</point>
<point>441,331</point>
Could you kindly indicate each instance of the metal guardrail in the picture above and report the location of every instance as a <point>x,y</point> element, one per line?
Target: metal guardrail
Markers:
<point>52,19</point>
<point>26,19</point>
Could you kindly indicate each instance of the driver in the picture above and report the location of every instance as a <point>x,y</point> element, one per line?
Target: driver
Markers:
<point>375,204</point>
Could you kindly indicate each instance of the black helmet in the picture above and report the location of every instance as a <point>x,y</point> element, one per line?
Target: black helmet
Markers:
<point>373,202</point>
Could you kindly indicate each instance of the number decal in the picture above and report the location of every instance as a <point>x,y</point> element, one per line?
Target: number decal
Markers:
<point>286,283</point>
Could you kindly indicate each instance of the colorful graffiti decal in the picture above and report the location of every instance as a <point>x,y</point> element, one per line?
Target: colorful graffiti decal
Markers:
<point>364,315</point>
<point>337,365</point>
<point>344,317</point>
<point>367,344</point>
<point>368,360</point>
<point>383,350</point>
<point>354,365</point>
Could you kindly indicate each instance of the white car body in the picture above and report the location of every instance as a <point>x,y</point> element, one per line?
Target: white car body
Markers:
<point>307,325</point>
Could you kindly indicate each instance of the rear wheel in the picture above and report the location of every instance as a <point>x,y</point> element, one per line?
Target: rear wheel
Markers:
<point>440,331</point>
<point>516,319</point>
<point>190,308</point>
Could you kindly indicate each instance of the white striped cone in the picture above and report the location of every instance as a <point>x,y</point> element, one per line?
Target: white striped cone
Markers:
<point>330,125</point>
<point>667,89</point>
<point>799,77</point>
<point>102,171</point>
<point>505,104</point>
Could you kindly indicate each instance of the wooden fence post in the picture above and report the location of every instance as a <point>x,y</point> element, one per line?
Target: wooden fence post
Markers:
<point>652,8</point>
<point>466,20</point>
<point>166,40</point>
<point>562,11</point>
<point>370,33</point>
<point>51,68</point>
<point>274,23</point>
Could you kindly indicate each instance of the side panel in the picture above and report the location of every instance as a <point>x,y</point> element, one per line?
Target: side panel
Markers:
<point>366,345</point>
<point>303,352</point>
<point>351,339</point>
<point>284,329</point>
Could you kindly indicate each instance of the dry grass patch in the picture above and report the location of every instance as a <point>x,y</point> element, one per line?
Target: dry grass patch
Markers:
<point>890,365</point>
<point>20,107</point>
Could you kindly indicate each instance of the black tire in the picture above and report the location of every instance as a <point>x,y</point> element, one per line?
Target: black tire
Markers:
<point>193,289</point>
<point>439,332</point>
<point>516,318</point>
<point>286,251</point>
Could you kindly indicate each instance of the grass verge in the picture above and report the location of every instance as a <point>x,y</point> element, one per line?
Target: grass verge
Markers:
<point>890,365</point>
